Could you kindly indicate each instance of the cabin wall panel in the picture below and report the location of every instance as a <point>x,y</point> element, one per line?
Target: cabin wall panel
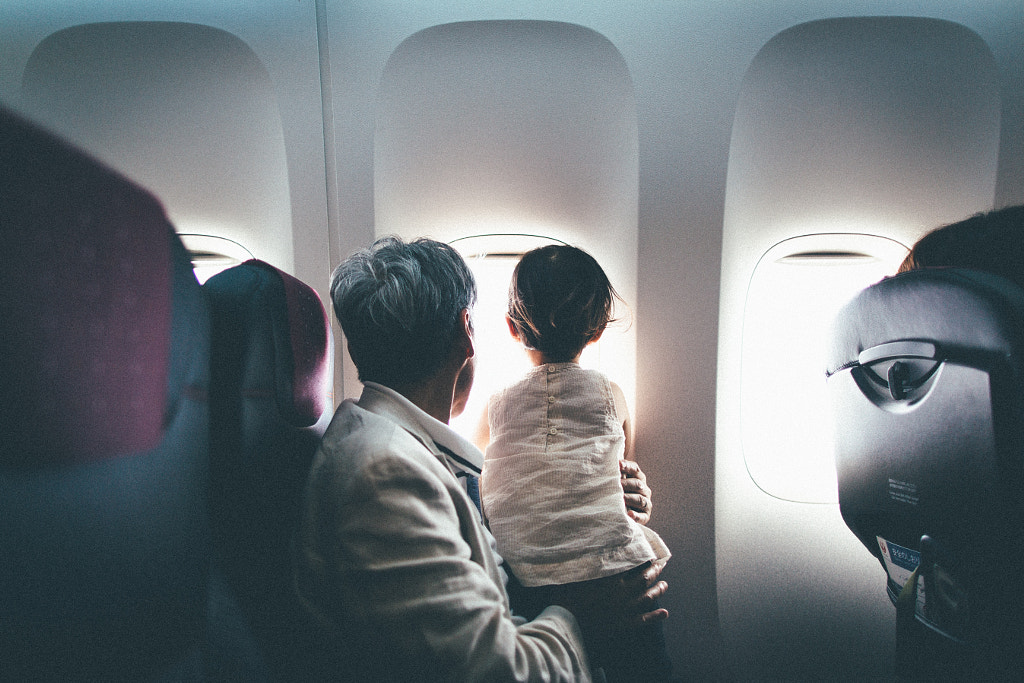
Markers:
<point>284,40</point>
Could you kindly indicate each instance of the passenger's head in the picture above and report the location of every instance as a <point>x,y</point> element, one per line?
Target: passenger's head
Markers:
<point>559,301</point>
<point>992,242</point>
<point>399,305</point>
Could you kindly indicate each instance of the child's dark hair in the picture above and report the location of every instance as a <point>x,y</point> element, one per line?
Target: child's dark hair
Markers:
<point>559,301</point>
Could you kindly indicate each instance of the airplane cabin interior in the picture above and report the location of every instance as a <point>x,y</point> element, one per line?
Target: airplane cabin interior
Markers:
<point>835,451</point>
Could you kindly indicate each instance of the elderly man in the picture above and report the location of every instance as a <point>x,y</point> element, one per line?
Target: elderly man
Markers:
<point>393,560</point>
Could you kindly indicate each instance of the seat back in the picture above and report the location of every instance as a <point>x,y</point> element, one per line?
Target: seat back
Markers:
<point>271,400</point>
<point>103,456</point>
<point>926,376</point>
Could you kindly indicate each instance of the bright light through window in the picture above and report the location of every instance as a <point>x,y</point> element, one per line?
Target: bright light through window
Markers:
<point>795,291</point>
<point>211,254</point>
<point>500,360</point>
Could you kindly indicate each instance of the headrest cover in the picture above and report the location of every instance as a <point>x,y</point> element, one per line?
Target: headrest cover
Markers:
<point>85,299</point>
<point>254,304</point>
<point>963,312</point>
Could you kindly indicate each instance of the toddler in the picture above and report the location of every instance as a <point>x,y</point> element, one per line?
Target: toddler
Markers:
<point>550,485</point>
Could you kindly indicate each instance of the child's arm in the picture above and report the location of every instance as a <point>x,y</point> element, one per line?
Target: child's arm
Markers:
<point>622,412</point>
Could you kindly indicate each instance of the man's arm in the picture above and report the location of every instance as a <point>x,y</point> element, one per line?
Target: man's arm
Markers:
<point>398,571</point>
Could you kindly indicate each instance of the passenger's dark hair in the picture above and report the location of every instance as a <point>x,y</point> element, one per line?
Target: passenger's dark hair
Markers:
<point>559,301</point>
<point>992,242</point>
<point>398,304</point>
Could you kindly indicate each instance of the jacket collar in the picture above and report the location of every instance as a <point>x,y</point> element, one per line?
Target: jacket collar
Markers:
<point>436,436</point>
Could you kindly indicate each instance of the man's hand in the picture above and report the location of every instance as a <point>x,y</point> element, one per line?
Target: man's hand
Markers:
<point>640,588</point>
<point>607,609</point>
<point>636,492</point>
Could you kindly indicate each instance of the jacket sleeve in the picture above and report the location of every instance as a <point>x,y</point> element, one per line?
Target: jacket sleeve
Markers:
<point>389,564</point>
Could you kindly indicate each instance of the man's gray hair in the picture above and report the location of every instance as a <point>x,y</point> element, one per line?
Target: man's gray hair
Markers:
<point>398,304</point>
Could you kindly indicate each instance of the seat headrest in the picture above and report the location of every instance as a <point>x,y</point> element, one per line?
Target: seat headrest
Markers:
<point>301,333</point>
<point>85,298</point>
<point>968,315</point>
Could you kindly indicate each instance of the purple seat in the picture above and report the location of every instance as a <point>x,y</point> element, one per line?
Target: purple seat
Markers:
<point>103,455</point>
<point>270,402</point>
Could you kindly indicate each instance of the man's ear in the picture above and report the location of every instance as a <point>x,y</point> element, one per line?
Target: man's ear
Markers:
<point>464,334</point>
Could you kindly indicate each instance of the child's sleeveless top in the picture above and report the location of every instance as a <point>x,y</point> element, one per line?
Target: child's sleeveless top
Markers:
<point>551,487</point>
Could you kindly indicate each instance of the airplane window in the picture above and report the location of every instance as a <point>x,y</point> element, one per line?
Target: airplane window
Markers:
<point>211,254</point>
<point>795,291</point>
<point>843,126</point>
<point>468,141</point>
<point>500,359</point>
